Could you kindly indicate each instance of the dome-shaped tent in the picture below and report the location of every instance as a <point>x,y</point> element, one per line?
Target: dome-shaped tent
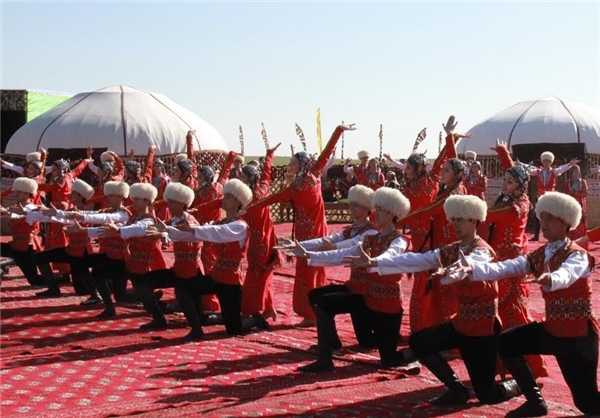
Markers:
<point>119,118</point>
<point>550,120</point>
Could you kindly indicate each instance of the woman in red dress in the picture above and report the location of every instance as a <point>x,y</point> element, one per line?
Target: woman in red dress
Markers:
<point>507,221</point>
<point>577,187</point>
<point>374,177</point>
<point>160,179</point>
<point>476,181</point>
<point>309,219</point>
<point>262,256</point>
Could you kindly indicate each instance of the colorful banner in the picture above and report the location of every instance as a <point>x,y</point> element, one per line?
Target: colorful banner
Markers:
<point>420,137</point>
<point>380,141</point>
<point>263,132</point>
<point>301,136</point>
<point>241,141</point>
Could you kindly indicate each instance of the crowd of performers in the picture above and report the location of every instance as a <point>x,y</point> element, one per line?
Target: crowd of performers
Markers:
<point>470,265</point>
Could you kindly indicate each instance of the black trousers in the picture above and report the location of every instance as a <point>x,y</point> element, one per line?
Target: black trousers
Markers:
<point>337,299</point>
<point>105,268</point>
<point>144,285</point>
<point>577,358</point>
<point>79,267</point>
<point>189,292</point>
<point>25,260</point>
<point>478,353</point>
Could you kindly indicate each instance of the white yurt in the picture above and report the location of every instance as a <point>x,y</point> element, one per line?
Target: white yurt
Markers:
<point>550,122</point>
<point>119,118</point>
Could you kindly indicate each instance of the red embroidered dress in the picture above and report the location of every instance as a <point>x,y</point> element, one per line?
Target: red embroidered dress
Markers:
<point>228,268</point>
<point>144,254</point>
<point>309,222</point>
<point>476,185</point>
<point>579,190</point>
<point>262,257</point>
<point>187,254</point>
<point>25,235</point>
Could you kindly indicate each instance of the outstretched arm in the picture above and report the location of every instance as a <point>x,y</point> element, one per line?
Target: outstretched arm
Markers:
<point>331,144</point>
<point>224,174</point>
<point>148,168</point>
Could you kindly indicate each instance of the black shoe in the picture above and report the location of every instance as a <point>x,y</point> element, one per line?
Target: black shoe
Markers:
<point>50,293</point>
<point>452,397</point>
<point>107,313</point>
<point>529,409</point>
<point>261,323</point>
<point>154,324</point>
<point>316,367</point>
<point>194,335</point>
<point>158,294</point>
<point>93,300</point>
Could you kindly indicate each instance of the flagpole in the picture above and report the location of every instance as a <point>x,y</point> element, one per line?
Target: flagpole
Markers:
<point>263,132</point>
<point>380,141</point>
<point>343,142</point>
<point>241,141</point>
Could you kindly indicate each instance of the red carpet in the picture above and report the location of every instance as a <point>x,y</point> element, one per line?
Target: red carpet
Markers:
<point>59,362</point>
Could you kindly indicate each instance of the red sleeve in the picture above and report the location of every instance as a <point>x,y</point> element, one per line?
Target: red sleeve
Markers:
<point>505,159</point>
<point>326,154</point>
<point>148,168</point>
<point>5,193</point>
<point>436,168</point>
<point>76,172</point>
<point>434,209</point>
<point>210,205</point>
<point>265,178</point>
<point>282,196</point>
<point>224,175</point>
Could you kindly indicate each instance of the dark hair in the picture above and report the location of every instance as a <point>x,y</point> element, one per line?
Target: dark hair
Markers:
<point>62,165</point>
<point>417,160</point>
<point>107,168</point>
<point>133,167</point>
<point>253,175</point>
<point>208,173</point>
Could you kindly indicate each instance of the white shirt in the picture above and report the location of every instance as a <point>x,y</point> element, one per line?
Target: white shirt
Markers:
<point>338,238</point>
<point>336,257</point>
<point>535,171</point>
<point>415,262</point>
<point>95,218</point>
<point>19,169</point>
<point>573,268</point>
<point>236,231</point>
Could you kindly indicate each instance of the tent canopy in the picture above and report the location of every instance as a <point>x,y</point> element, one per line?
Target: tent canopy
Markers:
<point>119,118</point>
<point>550,120</point>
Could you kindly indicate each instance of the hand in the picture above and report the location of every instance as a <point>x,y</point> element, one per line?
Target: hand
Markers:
<point>190,133</point>
<point>76,216</point>
<point>499,144</point>
<point>109,230</point>
<point>160,226</point>
<point>584,240</point>
<point>43,150</point>
<point>89,151</point>
<point>51,211</point>
<point>327,246</point>
<point>152,147</point>
<point>152,232</point>
<point>131,154</point>
<point>388,157</point>
<point>272,150</point>
<point>347,161</point>
<point>297,251</point>
<point>465,135</point>
<point>456,272</point>
<point>544,279</point>
<point>361,260</point>
<point>17,210</point>
<point>285,244</point>
<point>574,161</point>
<point>450,125</point>
<point>76,227</point>
<point>184,226</point>
<point>348,127</point>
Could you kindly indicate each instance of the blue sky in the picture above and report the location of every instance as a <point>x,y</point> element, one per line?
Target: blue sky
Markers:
<point>404,65</point>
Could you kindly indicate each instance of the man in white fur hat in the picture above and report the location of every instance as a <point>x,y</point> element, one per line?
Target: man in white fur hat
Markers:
<point>25,242</point>
<point>230,239</point>
<point>473,330</point>
<point>360,200</point>
<point>74,253</point>
<point>187,266</point>
<point>32,167</point>
<point>366,293</point>
<point>236,170</point>
<point>546,178</point>
<point>109,262</point>
<point>359,171</point>
<point>570,329</point>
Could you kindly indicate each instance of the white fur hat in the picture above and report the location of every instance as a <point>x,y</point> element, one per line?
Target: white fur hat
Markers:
<point>118,188</point>
<point>391,200</point>
<point>560,205</point>
<point>33,156</point>
<point>26,185</point>
<point>143,191</point>
<point>85,190</point>
<point>239,190</point>
<point>547,156</point>
<point>465,207</point>
<point>107,157</point>
<point>361,195</point>
<point>180,157</point>
<point>363,154</point>
<point>179,192</point>
<point>239,158</point>
<point>471,154</point>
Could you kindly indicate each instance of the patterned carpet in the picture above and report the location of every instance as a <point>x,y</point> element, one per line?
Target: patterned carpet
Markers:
<point>57,361</point>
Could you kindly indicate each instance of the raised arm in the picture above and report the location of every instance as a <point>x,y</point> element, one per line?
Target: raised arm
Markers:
<point>148,168</point>
<point>224,174</point>
<point>12,167</point>
<point>267,169</point>
<point>331,144</point>
<point>76,172</point>
<point>434,209</point>
<point>449,151</point>
<point>189,141</point>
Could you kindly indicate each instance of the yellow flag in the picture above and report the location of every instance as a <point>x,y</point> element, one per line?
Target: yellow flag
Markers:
<point>319,140</point>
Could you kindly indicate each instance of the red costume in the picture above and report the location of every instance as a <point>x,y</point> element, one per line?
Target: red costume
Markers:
<point>309,222</point>
<point>579,190</point>
<point>421,192</point>
<point>144,254</point>
<point>507,222</point>
<point>262,257</point>
<point>476,185</point>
